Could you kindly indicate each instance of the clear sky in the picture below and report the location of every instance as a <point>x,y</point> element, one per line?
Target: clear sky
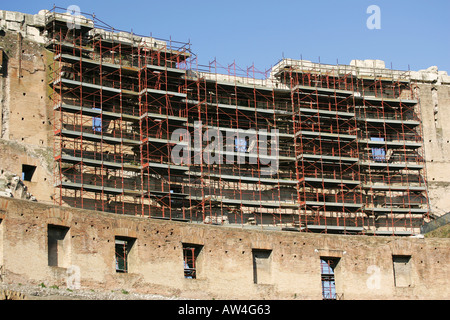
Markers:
<point>413,34</point>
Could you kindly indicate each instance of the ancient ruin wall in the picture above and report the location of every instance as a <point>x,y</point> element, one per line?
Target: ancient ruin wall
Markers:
<point>26,117</point>
<point>292,271</point>
<point>26,134</point>
<point>434,96</point>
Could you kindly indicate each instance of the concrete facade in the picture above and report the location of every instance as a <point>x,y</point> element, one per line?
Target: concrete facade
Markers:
<point>368,267</point>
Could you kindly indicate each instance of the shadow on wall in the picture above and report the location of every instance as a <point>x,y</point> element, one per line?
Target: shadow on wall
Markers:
<point>435,224</point>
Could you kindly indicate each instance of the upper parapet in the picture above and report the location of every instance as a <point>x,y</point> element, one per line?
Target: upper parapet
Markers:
<point>30,26</point>
<point>356,68</point>
<point>360,69</point>
<point>33,28</point>
<point>431,75</point>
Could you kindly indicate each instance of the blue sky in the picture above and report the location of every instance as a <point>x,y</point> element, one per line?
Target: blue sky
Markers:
<point>413,34</point>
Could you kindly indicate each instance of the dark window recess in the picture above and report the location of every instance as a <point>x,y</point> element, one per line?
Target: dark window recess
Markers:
<point>402,271</point>
<point>55,237</point>
<point>123,248</point>
<point>28,172</point>
<point>261,266</point>
<point>328,266</point>
<point>190,259</point>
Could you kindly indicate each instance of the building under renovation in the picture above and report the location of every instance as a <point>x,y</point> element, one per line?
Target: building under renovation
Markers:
<point>135,167</point>
<point>308,147</point>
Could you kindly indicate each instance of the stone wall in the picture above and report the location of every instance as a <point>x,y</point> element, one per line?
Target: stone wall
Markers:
<point>225,267</point>
<point>26,130</point>
<point>28,25</point>
<point>12,186</point>
<point>434,97</point>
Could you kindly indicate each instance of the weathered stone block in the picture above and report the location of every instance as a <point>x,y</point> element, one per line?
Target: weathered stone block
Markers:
<point>14,16</point>
<point>13,26</point>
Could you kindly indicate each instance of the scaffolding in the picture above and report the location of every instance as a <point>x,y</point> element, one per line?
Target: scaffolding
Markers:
<point>110,98</point>
<point>312,148</point>
<point>359,148</point>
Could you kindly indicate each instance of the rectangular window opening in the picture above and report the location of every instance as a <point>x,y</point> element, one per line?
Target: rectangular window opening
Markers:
<point>402,271</point>
<point>328,266</point>
<point>57,245</point>
<point>123,248</point>
<point>262,266</point>
<point>240,144</point>
<point>28,172</point>
<point>378,154</point>
<point>191,254</point>
<point>97,125</point>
